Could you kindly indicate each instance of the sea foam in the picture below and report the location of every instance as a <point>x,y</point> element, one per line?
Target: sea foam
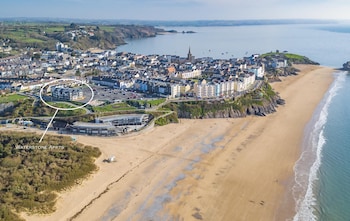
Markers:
<point>307,167</point>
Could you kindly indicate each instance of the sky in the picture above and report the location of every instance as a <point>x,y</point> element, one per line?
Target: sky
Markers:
<point>177,9</point>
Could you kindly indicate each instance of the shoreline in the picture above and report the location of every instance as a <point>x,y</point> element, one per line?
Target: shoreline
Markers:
<point>214,168</point>
<point>289,201</point>
<point>249,194</point>
<point>311,158</point>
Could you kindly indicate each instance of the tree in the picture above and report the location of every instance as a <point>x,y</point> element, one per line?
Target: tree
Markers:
<point>78,73</point>
<point>36,56</point>
<point>73,26</point>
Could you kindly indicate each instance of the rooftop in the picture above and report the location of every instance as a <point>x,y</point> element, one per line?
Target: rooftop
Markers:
<point>93,125</point>
<point>117,117</point>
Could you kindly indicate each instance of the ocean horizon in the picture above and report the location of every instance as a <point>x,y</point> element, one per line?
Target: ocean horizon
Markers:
<point>321,173</point>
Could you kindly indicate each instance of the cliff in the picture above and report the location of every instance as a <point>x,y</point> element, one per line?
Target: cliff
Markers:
<point>230,111</point>
<point>260,103</point>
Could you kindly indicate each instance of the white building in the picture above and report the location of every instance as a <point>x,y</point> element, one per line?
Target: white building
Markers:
<point>175,91</point>
<point>240,86</point>
<point>200,89</point>
<point>259,71</point>
<point>31,86</point>
<point>191,74</point>
<point>279,63</point>
<point>67,94</point>
<point>227,88</point>
<point>245,81</point>
<point>210,90</point>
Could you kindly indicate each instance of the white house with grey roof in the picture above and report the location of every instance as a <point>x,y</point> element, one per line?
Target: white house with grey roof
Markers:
<point>63,93</point>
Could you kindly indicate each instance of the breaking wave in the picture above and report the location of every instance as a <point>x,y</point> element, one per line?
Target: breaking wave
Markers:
<point>307,167</point>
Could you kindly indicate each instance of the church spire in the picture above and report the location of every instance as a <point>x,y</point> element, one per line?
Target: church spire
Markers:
<point>189,55</point>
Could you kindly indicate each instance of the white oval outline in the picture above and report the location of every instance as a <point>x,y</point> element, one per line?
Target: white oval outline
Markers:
<point>66,79</point>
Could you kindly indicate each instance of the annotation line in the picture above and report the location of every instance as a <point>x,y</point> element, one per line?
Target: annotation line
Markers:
<point>53,117</point>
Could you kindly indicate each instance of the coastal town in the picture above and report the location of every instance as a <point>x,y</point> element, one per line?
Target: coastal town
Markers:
<point>167,76</point>
<point>127,77</point>
<point>83,133</point>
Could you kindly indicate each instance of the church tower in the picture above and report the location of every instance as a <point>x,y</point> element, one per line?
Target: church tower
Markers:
<point>190,57</point>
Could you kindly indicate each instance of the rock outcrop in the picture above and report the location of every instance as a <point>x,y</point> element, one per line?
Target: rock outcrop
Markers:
<point>267,107</point>
<point>346,66</point>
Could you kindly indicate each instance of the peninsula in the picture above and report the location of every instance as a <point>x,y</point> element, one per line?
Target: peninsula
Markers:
<point>15,37</point>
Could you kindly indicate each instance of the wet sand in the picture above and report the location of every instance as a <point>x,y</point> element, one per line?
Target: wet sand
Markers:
<point>213,169</point>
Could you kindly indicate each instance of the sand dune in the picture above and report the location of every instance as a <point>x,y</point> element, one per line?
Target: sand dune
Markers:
<point>215,169</point>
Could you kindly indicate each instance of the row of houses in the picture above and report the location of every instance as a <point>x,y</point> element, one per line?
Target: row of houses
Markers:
<point>177,87</point>
<point>204,89</point>
<point>22,85</point>
<point>161,87</point>
<point>111,82</point>
<point>187,74</point>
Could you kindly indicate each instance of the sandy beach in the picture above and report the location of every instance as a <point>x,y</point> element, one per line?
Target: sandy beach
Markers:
<point>213,169</point>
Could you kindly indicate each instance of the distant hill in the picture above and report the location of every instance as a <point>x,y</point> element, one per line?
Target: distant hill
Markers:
<point>215,23</point>
<point>44,35</point>
<point>190,23</point>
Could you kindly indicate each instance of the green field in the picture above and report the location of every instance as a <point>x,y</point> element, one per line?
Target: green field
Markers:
<point>156,102</point>
<point>146,103</point>
<point>26,35</point>
<point>61,105</point>
<point>113,107</point>
<point>107,28</point>
<point>12,98</point>
<point>293,56</point>
<point>53,29</point>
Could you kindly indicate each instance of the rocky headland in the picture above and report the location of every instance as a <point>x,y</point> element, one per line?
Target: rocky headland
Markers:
<point>260,103</point>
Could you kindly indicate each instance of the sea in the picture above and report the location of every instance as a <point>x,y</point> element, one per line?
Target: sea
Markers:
<point>321,187</point>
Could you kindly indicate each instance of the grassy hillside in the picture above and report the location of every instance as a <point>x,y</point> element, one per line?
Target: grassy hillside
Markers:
<point>113,108</point>
<point>45,36</point>
<point>291,58</point>
<point>12,98</point>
